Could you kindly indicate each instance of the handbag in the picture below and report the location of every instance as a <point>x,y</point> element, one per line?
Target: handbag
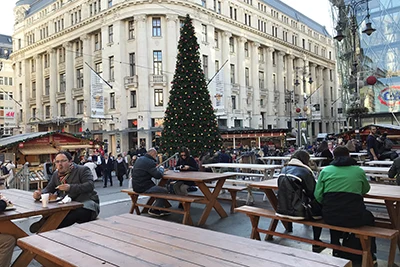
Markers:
<point>311,207</point>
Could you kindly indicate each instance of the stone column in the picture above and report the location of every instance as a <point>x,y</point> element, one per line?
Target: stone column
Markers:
<point>328,97</point>
<point>53,82</point>
<point>39,86</point>
<point>87,51</point>
<point>280,87</point>
<point>290,87</point>
<point>256,116</point>
<point>241,65</point>
<point>69,79</point>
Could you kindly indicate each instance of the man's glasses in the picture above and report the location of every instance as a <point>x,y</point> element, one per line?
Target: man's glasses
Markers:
<point>183,155</point>
<point>60,161</point>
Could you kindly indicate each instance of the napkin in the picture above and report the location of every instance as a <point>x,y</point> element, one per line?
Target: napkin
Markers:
<point>65,200</point>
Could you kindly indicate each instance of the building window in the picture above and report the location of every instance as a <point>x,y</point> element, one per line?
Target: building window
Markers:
<point>133,99</point>
<point>156,27</point>
<point>132,64</point>
<point>247,76</point>
<point>79,78</point>
<point>216,39</point>
<point>34,113</point>
<point>231,45</point>
<point>10,81</point>
<point>33,89</point>
<point>79,107</point>
<point>33,65</point>
<point>110,34</point>
<point>273,58</point>
<point>158,97</point>
<point>157,62</point>
<point>97,41</point>
<point>205,66</point>
<point>46,60</point>
<point>47,86</point>
<point>62,109</point>
<point>61,55</point>
<point>98,68</point>
<point>47,112</point>
<point>246,49</point>
<point>261,54</point>
<point>62,82</point>
<point>111,68</point>
<point>232,74</point>
<point>216,65</point>
<point>131,29</point>
<point>110,3</point>
<point>204,33</point>
<point>233,99</point>
<point>261,79</point>
<point>274,80</point>
<point>112,100</point>
<point>203,3</point>
<point>79,48</point>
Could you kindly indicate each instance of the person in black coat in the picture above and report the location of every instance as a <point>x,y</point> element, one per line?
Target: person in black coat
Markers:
<point>120,168</point>
<point>7,241</point>
<point>323,151</point>
<point>107,165</point>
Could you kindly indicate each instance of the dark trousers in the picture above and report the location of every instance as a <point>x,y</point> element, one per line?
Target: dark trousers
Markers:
<point>80,215</point>
<point>366,219</point>
<point>106,176</point>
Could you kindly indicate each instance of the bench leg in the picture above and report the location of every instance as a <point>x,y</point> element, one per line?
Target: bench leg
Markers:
<point>254,227</point>
<point>366,247</point>
<point>272,228</point>
<point>233,197</point>
<point>250,197</point>
<point>134,199</point>
<point>187,219</point>
<point>392,251</point>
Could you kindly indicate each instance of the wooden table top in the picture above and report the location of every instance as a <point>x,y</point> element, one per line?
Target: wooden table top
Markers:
<point>243,166</point>
<point>288,158</point>
<point>377,191</point>
<point>129,240</point>
<point>194,176</point>
<point>26,206</point>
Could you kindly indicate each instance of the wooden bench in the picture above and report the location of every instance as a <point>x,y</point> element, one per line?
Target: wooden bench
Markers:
<point>232,189</point>
<point>185,200</point>
<point>364,233</point>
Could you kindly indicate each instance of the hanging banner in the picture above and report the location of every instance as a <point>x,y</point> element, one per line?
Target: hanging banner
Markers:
<point>96,93</point>
<point>219,91</point>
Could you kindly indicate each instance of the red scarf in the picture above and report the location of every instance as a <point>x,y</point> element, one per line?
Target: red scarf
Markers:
<point>63,176</point>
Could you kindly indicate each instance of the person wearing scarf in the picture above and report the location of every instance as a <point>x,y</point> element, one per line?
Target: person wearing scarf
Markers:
<point>340,189</point>
<point>75,181</point>
<point>295,180</point>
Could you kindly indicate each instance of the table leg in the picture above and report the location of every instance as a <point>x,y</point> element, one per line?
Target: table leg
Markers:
<point>8,227</point>
<point>212,201</point>
<point>394,216</point>
<point>53,221</point>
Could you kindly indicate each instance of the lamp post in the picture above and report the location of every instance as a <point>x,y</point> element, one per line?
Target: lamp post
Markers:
<point>348,21</point>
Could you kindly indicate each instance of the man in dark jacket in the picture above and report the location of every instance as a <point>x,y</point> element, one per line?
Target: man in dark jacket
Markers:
<point>394,171</point>
<point>340,189</point>
<point>107,165</point>
<point>145,169</point>
<point>7,242</point>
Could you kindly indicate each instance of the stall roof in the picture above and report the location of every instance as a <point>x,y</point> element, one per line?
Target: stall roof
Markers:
<point>77,146</point>
<point>8,141</point>
<point>38,150</point>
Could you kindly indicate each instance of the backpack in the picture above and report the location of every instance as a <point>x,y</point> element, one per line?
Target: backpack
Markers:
<point>4,170</point>
<point>387,144</point>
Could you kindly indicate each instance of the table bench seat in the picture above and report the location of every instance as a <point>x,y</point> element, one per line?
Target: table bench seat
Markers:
<point>364,233</point>
<point>185,200</point>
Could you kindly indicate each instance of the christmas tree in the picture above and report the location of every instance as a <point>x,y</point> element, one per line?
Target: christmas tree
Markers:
<point>189,118</point>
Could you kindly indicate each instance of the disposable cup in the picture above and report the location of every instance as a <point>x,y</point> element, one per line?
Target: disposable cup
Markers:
<point>45,200</point>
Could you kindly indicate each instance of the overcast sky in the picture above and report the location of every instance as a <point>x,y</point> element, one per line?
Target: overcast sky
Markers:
<point>317,10</point>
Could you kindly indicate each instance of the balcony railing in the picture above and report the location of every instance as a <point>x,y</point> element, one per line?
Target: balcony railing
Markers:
<point>235,88</point>
<point>45,98</point>
<point>32,101</point>
<point>76,92</point>
<point>60,96</point>
<point>131,81</point>
<point>158,80</point>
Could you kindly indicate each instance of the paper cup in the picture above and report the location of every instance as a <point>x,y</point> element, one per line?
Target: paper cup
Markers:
<point>45,200</point>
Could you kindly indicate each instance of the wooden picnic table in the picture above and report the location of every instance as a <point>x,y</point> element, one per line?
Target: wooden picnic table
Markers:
<point>390,194</point>
<point>200,179</point>
<point>127,240</point>
<point>259,167</point>
<point>26,206</point>
<point>287,158</point>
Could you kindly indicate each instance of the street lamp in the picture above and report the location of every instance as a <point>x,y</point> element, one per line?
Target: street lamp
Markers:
<point>348,20</point>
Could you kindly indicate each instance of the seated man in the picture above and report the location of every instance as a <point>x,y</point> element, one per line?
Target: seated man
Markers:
<point>7,242</point>
<point>75,181</point>
<point>145,169</point>
<point>340,189</point>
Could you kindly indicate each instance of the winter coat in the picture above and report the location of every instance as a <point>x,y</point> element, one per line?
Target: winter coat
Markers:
<point>293,179</point>
<point>145,169</point>
<point>340,189</point>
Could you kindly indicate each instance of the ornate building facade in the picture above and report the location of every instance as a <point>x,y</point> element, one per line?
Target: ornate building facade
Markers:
<point>260,58</point>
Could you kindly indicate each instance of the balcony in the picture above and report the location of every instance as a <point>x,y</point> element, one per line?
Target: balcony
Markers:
<point>32,101</point>
<point>97,55</point>
<point>249,90</point>
<point>45,98</point>
<point>46,72</point>
<point>235,88</point>
<point>158,80</point>
<point>131,81</point>
<point>61,67</point>
<point>60,96</point>
<point>33,75</point>
<point>79,61</point>
<point>77,92</point>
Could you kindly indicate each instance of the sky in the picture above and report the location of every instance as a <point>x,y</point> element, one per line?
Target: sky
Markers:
<point>318,10</point>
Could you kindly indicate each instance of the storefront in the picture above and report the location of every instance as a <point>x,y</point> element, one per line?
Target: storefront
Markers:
<point>253,138</point>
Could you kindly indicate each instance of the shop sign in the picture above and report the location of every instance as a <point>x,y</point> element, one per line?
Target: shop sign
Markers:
<point>390,96</point>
